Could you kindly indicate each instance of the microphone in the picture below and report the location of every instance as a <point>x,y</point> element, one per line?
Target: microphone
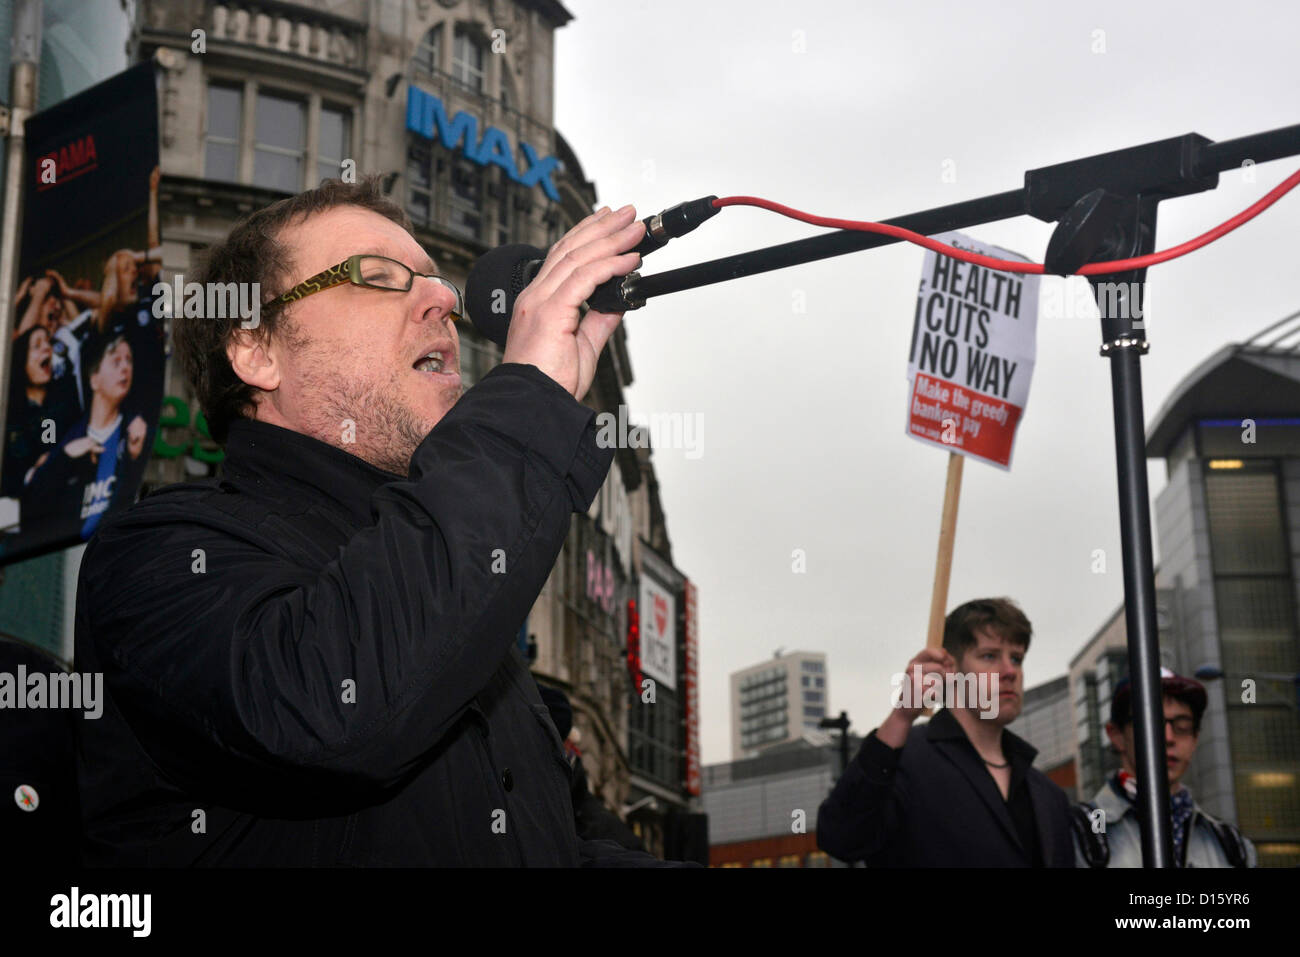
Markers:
<point>500,276</point>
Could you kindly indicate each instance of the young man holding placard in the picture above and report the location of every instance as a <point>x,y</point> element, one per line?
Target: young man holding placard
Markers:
<point>959,791</point>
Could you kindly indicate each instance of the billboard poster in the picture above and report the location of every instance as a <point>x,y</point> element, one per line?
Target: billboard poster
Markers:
<point>86,351</point>
<point>973,349</point>
<point>658,610</point>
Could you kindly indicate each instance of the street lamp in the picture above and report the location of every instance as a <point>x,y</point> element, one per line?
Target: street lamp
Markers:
<point>842,725</point>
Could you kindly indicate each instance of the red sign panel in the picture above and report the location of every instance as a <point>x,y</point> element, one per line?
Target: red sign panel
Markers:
<point>937,406</point>
<point>692,688</point>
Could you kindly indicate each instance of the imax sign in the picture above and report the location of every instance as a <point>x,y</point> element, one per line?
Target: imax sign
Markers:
<point>425,116</point>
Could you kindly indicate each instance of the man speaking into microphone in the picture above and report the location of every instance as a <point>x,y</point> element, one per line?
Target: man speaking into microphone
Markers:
<point>311,662</point>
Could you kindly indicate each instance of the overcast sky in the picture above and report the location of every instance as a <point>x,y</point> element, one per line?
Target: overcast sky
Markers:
<point>851,109</point>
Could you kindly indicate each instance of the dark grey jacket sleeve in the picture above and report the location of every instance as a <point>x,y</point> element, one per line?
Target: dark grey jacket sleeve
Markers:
<point>865,808</point>
<point>612,854</point>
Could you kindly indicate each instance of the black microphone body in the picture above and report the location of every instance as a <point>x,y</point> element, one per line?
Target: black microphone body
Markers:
<point>500,276</point>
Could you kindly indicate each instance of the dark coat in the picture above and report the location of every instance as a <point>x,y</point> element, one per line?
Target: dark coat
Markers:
<point>36,752</point>
<point>318,656</point>
<point>939,807</point>
<point>593,819</point>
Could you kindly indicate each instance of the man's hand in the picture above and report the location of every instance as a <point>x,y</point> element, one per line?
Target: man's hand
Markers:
<point>135,433</point>
<point>545,330</point>
<point>62,283</point>
<point>893,730</point>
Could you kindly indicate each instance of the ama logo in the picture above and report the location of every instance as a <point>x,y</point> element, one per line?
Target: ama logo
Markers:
<point>70,160</point>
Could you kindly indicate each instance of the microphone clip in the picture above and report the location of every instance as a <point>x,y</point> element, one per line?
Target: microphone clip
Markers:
<point>617,296</point>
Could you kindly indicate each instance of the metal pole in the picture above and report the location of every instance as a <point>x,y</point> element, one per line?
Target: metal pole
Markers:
<point>1120,302</point>
<point>1140,608</point>
<point>23,76</point>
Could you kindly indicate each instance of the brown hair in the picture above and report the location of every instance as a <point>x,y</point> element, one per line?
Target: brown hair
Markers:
<point>1001,614</point>
<point>254,253</point>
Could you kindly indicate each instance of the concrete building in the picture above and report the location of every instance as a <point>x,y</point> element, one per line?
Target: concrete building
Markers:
<point>1094,672</point>
<point>1228,531</point>
<point>1045,722</point>
<point>1228,527</point>
<point>776,701</point>
<point>763,810</point>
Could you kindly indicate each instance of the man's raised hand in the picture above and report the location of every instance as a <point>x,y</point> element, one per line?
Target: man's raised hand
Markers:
<point>893,730</point>
<point>547,329</point>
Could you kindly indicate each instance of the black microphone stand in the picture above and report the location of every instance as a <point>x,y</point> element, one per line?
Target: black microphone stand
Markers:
<point>1105,208</point>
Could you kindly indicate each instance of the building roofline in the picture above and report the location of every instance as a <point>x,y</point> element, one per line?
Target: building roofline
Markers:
<point>552,10</point>
<point>1119,610</point>
<point>766,662</point>
<point>1181,406</point>
<point>1046,688</point>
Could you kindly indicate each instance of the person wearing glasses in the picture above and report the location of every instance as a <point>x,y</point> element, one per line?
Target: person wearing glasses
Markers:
<point>311,660</point>
<point>1106,829</point>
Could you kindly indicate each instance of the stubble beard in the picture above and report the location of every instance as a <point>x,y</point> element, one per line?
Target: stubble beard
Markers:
<point>386,432</point>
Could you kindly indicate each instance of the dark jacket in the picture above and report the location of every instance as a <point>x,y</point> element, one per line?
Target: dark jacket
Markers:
<point>311,661</point>
<point>36,755</point>
<point>593,819</point>
<point>932,803</point>
<point>26,427</point>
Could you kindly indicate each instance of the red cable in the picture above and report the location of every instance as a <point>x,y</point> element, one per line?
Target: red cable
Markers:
<point>1007,265</point>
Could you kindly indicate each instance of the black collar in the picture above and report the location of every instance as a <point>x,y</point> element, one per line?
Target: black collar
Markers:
<point>944,731</point>
<point>270,455</point>
<point>944,727</point>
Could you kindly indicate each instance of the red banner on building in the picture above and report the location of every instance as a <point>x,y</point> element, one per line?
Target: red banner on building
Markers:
<point>691,687</point>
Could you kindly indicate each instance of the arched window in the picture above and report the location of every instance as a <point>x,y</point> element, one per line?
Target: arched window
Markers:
<point>467,57</point>
<point>427,59</point>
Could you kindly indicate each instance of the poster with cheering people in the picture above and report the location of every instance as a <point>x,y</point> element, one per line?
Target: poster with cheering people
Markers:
<point>86,350</point>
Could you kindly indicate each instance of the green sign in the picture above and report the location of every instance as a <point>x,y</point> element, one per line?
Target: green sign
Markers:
<point>176,415</point>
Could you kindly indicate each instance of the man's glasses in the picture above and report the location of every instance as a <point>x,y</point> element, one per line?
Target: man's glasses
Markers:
<point>1183,725</point>
<point>370,272</point>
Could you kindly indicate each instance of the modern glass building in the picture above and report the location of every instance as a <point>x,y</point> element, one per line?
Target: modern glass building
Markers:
<point>1228,525</point>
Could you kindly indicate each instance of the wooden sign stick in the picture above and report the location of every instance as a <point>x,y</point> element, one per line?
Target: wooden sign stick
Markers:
<point>943,564</point>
